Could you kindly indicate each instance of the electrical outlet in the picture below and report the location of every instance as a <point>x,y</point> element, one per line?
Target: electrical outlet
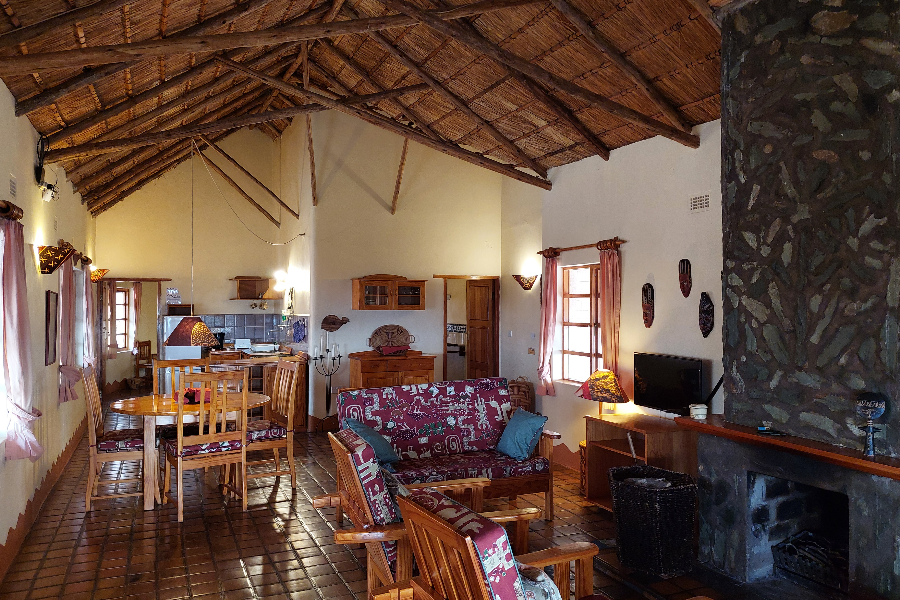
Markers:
<point>533,335</point>
<point>510,333</point>
<point>531,351</point>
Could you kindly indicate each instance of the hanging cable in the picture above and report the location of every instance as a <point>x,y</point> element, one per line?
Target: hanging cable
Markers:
<point>225,198</point>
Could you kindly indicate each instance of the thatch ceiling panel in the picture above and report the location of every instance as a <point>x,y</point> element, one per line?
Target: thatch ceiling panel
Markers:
<point>666,40</point>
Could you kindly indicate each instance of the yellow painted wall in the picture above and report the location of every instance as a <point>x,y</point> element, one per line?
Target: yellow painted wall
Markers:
<point>45,223</point>
<point>122,366</point>
<point>447,222</point>
<point>149,234</point>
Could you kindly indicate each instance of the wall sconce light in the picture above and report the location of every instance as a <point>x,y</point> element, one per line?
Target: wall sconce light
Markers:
<point>98,274</point>
<point>51,257</point>
<point>526,282</point>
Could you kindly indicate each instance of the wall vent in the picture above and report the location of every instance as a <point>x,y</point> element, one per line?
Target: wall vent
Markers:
<point>699,203</point>
<point>12,188</point>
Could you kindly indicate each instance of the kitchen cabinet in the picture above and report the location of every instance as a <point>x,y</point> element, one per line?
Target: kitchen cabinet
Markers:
<point>388,292</point>
<point>371,369</point>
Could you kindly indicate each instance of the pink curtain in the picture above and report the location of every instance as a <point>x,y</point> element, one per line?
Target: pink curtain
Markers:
<point>90,314</point>
<point>610,307</point>
<point>15,339</point>
<point>69,373</point>
<point>110,311</point>
<point>135,312</point>
<point>548,326</point>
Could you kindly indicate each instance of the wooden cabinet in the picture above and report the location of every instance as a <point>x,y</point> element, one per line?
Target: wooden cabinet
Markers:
<point>657,442</point>
<point>388,292</point>
<point>372,370</point>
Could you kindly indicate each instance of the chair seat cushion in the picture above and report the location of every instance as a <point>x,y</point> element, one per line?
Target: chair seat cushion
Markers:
<point>121,440</point>
<point>171,447</point>
<point>488,463</point>
<point>262,430</point>
<point>170,431</point>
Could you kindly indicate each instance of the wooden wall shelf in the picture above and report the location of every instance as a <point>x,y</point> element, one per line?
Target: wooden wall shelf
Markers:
<point>848,458</point>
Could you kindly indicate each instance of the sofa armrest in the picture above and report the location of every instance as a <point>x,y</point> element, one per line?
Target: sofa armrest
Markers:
<point>559,554</point>
<point>453,484</point>
<point>331,500</point>
<point>513,515</point>
<point>379,533</point>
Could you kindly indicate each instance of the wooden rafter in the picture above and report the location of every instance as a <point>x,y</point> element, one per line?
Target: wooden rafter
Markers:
<point>364,75</point>
<point>459,104</point>
<point>399,176</point>
<point>542,75</point>
<point>67,19</point>
<point>605,47</point>
<point>209,163</point>
<point>93,75</point>
<point>391,125</point>
<point>702,7</point>
<point>118,53</point>
<point>247,173</point>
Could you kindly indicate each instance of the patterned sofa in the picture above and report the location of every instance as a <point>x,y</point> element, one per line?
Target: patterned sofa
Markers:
<point>450,430</point>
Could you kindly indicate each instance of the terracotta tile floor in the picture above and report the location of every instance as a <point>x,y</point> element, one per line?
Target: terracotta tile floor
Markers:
<point>280,548</point>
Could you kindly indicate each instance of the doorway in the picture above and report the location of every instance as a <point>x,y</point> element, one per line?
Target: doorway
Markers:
<point>471,326</point>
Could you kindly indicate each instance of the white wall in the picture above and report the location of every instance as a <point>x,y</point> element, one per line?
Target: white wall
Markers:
<point>45,223</point>
<point>641,195</point>
<point>446,223</point>
<point>149,233</point>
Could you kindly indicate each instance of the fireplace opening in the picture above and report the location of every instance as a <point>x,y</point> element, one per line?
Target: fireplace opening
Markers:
<point>799,532</point>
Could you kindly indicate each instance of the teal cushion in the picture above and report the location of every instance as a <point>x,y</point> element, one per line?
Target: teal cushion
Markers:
<point>521,434</point>
<point>383,450</point>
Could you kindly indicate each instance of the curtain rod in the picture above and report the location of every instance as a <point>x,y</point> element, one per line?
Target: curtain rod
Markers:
<point>610,244</point>
<point>10,211</point>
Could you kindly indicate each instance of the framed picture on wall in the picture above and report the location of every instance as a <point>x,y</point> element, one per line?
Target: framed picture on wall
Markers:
<point>51,318</point>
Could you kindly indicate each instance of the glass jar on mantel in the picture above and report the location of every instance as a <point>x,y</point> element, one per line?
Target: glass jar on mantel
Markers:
<point>388,292</point>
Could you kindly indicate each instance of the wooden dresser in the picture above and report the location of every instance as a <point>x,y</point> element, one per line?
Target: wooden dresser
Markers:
<point>371,369</point>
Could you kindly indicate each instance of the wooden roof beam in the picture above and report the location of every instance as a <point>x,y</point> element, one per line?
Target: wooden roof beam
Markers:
<point>364,75</point>
<point>459,104</point>
<point>398,128</point>
<point>703,7</point>
<point>239,167</point>
<point>175,134</point>
<point>93,75</point>
<point>605,47</point>
<point>239,189</point>
<point>543,76</point>
<point>14,37</point>
<point>118,53</point>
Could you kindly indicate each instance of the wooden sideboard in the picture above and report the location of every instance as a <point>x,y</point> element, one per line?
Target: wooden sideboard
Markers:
<point>372,370</point>
<point>657,442</point>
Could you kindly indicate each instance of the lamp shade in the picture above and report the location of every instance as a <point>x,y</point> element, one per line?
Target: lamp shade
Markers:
<point>191,331</point>
<point>602,386</point>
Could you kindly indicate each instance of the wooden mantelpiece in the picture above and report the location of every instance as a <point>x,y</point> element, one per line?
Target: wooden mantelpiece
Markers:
<point>843,457</point>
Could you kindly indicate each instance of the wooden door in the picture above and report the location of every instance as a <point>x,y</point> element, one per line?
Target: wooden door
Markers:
<point>482,328</point>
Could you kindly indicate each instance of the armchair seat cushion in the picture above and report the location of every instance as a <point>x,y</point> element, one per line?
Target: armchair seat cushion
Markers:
<point>121,440</point>
<point>488,463</point>
<point>536,584</point>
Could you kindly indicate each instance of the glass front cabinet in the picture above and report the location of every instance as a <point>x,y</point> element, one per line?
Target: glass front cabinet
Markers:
<point>388,292</point>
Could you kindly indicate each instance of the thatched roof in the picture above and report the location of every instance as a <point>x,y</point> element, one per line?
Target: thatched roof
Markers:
<point>517,86</point>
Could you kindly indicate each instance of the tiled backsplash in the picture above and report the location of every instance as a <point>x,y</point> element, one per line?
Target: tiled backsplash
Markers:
<point>260,327</point>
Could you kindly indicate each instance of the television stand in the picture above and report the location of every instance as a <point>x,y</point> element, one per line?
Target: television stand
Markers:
<point>657,442</point>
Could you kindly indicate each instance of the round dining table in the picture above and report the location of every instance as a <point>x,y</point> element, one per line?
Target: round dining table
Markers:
<point>159,405</point>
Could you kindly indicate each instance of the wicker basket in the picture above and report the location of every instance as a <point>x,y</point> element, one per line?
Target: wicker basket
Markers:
<point>654,527</point>
<point>521,393</point>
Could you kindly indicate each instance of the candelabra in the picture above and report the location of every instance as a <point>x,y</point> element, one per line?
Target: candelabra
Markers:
<point>323,368</point>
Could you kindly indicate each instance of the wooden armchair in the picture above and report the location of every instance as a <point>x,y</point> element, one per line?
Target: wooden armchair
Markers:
<point>450,567</point>
<point>386,542</point>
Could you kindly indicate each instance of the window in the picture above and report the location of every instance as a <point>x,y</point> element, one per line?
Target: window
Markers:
<point>121,315</point>
<point>581,349</point>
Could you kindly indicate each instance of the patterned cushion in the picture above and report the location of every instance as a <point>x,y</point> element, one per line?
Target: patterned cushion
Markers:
<point>497,562</point>
<point>537,584</point>
<point>490,464</point>
<point>171,447</point>
<point>171,430</point>
<point>433,419</point>
<point>260,431</point>
<point>121,440</point>
<point>383,507</point>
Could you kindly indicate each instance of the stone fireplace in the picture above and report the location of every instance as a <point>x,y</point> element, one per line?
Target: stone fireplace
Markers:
<point>811,278</point>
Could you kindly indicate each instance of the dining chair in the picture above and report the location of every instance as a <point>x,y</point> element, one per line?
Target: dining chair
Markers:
<point>277,431</point>
<point>215,443</point>
<point>461,554</point>
<point>143,360</point>
<point>175,372</point>
<point>104,447</point>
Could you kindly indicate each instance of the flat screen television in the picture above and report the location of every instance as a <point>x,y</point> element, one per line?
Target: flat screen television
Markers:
<point>667,383</point>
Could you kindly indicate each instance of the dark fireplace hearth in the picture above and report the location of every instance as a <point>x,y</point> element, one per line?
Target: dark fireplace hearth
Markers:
<point>797,530</point>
